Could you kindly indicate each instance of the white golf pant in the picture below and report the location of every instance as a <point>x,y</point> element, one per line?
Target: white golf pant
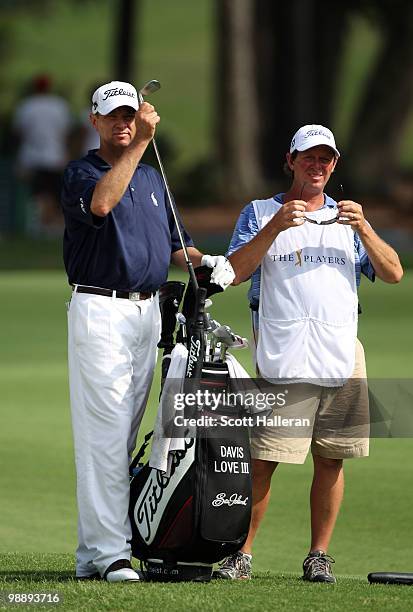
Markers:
<point>112,355</point>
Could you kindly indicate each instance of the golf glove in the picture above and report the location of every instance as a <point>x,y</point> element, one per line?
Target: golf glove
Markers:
<point>222,272</point>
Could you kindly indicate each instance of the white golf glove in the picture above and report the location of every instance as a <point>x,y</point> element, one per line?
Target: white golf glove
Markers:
<point>222,272</point>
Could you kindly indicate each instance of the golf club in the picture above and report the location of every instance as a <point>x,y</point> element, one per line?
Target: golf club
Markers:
<point>149,88</point>
<point>226,336</point>
<point>182,324</point>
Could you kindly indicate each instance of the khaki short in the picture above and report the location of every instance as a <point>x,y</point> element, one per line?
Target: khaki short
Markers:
<point>333,421</point>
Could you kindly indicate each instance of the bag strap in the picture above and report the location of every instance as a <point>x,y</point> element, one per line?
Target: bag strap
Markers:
<point>140,452</point>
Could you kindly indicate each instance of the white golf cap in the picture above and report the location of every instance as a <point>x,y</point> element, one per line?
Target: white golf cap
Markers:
<point>312,136</point>
<point>112,95</point>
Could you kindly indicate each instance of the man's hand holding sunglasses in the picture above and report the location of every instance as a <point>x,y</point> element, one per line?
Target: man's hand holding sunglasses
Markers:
<point>291,214</point>
<point>351,213</point>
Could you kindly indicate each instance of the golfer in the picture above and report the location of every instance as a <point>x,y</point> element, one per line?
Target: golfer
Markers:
<point>304,253</point>
<point>120,238</point>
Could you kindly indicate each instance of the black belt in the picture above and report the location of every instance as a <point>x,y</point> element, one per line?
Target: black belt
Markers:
<point>126,295</point>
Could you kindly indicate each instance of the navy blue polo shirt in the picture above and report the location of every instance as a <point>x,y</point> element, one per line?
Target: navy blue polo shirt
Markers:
<point>129,249</point>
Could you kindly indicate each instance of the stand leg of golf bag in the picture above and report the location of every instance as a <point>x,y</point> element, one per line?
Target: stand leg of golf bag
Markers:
<point>199,513</point>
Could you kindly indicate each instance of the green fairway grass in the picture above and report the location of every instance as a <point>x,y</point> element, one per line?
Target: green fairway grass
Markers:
<point>37,484</point>
<point>35,573</point>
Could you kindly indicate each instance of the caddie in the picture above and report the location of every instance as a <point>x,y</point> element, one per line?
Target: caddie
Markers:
<point>305,253</point>
<point>119,240</point>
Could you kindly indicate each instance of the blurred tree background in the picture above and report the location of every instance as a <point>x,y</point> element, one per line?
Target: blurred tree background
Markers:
<point>347,65</point>
<point>238,78</point>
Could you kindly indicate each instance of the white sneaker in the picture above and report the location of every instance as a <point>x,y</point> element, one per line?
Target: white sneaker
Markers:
<point>121,571</point>
<point>125,574</point>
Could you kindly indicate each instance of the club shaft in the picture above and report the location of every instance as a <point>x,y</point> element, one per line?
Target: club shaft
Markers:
<point>175,215</point>
<point>173,210</point>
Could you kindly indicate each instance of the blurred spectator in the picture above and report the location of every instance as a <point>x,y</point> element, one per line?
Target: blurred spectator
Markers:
<point>41,123</point>
<point>83,136</point>
<point>91,138</point>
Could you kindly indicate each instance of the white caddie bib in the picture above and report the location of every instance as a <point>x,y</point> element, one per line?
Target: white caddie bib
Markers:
<point>308,301</point>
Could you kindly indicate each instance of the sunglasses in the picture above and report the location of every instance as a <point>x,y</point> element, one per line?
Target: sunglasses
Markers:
<point>327,221</point>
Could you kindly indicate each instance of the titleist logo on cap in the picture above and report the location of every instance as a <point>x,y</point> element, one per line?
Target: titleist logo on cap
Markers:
<point>316,133</point>
<point>117,92</point>
<point>312,135</point>
<point>112,95</point>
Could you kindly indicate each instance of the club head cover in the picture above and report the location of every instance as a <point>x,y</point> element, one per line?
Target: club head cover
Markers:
<point>170,297</point>
<point>170,291</point>
<point>203,276</point>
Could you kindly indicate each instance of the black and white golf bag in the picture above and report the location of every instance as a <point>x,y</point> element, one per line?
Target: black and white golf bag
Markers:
<point>199,512</point>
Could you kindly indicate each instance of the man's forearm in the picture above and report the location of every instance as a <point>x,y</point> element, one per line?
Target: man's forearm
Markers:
<point>248,258</point>
<point>195,256</point>
<point>383,257</point>
<point>110,188</point>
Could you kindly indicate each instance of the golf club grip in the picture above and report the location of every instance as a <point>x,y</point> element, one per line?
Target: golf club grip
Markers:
<point>390,578</point>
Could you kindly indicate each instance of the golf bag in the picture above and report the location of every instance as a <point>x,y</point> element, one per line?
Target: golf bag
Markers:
<point>199,512</point>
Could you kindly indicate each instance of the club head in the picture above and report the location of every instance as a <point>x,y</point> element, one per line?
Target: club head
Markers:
<point>210,323</point>
<point>150,87</point>
<point>180,318</point>
<point>226,336</point>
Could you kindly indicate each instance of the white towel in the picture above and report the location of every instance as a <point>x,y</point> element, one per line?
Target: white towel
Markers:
<point>241,382</point>
<point>164,443</point>
<point>166,438</point>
